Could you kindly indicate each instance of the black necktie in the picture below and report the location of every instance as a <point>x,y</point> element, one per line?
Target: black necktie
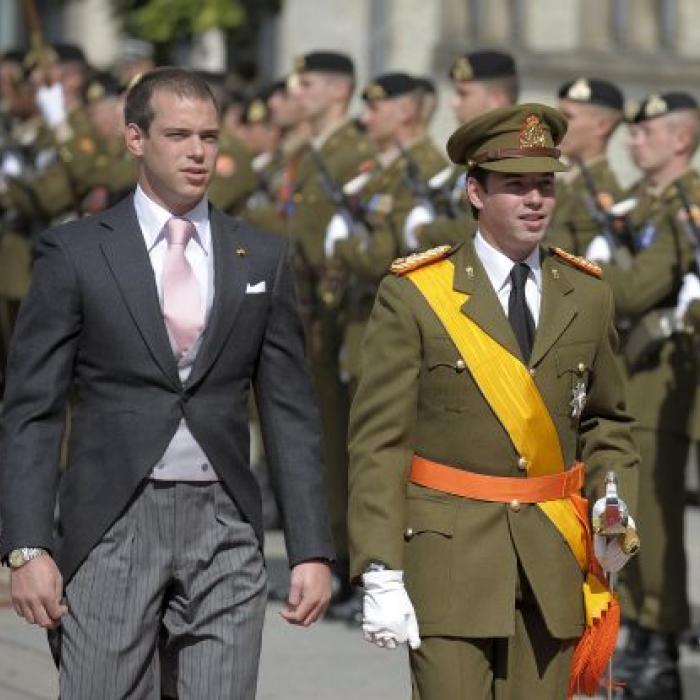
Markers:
<point>518,312</point>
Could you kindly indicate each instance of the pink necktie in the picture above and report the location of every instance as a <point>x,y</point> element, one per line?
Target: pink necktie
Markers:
<point>182,307</point>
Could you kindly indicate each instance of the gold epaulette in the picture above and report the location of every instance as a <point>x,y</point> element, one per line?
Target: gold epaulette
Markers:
<point>401,266</point>
<point>581,263</point>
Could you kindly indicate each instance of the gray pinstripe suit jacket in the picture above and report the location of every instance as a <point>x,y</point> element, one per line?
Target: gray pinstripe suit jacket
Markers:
<point>91,327</point>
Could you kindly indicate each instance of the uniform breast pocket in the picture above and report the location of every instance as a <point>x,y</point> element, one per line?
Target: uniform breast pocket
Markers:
<point>446,381</point>
<point>574,373</point>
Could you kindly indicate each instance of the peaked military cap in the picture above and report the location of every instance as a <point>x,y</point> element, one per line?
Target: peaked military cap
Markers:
<point>325,62</point>
<point>389,85</point>
<point>483,65</point>
<point>593,91</point>
<point>518,139</point>
<point>658,105</point>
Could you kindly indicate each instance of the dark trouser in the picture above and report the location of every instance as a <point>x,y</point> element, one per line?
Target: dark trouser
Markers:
<point>532,664</point>
<point>181,555</point>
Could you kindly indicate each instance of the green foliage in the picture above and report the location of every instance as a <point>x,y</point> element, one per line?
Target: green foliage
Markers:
<point>163,21</point>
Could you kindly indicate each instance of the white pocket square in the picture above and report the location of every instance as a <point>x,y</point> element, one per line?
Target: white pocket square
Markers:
<point>258,288</point>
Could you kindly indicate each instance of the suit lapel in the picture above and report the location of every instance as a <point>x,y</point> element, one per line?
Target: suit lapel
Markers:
<point>230,279</point>
<point>557,311</point>
<point>483,306</point>
<point>127,257</point>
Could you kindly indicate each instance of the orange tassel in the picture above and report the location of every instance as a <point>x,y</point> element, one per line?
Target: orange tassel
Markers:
<point>593,652</point>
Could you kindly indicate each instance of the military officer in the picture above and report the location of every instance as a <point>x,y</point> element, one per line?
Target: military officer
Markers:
<point>593,109</point>
<point>661,378</point>
<point>333,155</point>
<point>488,369</point>
<point>482,80</point>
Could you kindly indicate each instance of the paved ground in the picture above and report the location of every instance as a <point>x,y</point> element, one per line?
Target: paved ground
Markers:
<point>328,661</point>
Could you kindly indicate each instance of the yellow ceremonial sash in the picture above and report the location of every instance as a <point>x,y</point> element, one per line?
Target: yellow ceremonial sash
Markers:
<point>510,390</point>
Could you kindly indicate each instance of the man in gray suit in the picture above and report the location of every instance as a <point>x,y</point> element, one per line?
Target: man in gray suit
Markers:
<point>156,318</point>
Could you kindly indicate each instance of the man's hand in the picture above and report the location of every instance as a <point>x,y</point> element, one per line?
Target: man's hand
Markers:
<point>388,615</point>
<point>37,590</point>
<point>309,593</point>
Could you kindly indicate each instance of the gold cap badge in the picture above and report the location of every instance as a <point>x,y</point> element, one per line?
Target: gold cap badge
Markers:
<point>462,69</point>
<point>375,91</point>
<point>655,106</point>
<point>533,134</point>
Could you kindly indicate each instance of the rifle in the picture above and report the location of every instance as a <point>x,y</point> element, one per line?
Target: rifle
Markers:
<point>621,251</point>
<point>693,227</point>
<point>419,187</point>
<point>353,215</point>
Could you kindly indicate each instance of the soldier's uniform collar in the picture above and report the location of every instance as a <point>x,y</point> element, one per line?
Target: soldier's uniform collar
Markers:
<point>319,141</point>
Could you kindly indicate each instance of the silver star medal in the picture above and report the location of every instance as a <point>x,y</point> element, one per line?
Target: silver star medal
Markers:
<point>578,398</point>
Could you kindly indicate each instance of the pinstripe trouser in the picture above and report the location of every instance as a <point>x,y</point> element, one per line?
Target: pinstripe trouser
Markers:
<point>182,554</point>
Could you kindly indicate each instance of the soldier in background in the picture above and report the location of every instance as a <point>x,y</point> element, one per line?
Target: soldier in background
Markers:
<point>333,155</point>
<point>234,179</point>
<point>18,126</point>
<point>272,210</point>
<point>115,171</point>
<point>594,109</point>
<point>661,379</point>
<point>482,81</point>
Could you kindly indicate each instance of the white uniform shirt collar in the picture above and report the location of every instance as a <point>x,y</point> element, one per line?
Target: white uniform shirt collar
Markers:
<point>498,265</point>
<point>152,217</point>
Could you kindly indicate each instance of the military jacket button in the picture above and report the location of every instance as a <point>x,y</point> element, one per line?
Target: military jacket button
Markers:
<point>460,365</point>
<point>523,464</point>
<point>515,505</point>
<point>408,533</point>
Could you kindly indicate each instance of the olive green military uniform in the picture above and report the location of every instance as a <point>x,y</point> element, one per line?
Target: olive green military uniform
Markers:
<point>387,198</point>
<point>496,590</point>
<point>475,570</point>
<point>234,180</point>
<point>573,225</point>
<point>343,152</point>
<point>660,396</point>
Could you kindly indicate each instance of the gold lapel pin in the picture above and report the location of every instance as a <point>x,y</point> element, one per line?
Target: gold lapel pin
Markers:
<point>555,274</point>
<point>470,272</point>
<point>241,252</point>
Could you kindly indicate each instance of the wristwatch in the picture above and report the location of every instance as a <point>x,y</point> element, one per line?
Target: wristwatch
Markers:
<point>19,557</point>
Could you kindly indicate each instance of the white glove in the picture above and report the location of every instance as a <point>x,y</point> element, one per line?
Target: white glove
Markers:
<point>690,291</point>
<point>51,104</point>
<point>11,165</point>
<point>388,615</point>
<point>419,215</point>
<point>337,230</point>
<point>609,552</point>
<point>599,250</point>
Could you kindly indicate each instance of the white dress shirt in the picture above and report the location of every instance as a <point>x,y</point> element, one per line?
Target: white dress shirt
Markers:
<point>498,267</point>
<point>183,459</point>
